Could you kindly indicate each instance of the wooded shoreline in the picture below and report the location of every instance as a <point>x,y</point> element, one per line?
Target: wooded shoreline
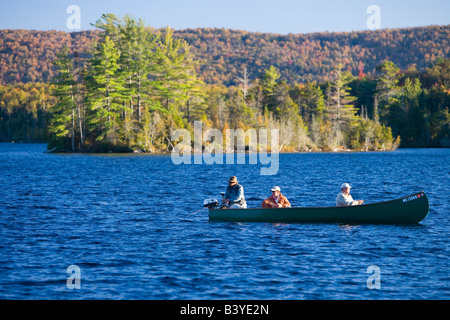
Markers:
<point>162,152</point>
<point>130,90</point>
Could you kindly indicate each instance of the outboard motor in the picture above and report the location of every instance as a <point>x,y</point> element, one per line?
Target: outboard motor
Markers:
<point>210,203</point>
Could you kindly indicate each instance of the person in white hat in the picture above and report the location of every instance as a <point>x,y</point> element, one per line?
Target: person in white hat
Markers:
<point>276,200</point>
<point>344,198</point>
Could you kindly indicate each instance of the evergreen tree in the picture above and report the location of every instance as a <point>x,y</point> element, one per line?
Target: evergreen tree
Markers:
<point>310,100</point>
<point>176,78</point>
<point>62,117</point>
<point>283,105</point>
<point>137,61</point>
<point>268,84</point>
<point>339,108</point>
<point>240,116</point>
<point>105,89</point>
<point>387,87</point>
<point>416,128</point>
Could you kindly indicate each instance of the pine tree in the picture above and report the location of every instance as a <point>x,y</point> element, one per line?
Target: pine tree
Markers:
<point>240,116</point>
<point>137,47</point>
<point>268,83</point>
<point>176,80</point>
<point>109,24</point>
<point>310,101</point>
<point>284,106</point>
<point>105,89</point>
<point>340,109</point>
<point>62,115</point>
<point>387,86</point>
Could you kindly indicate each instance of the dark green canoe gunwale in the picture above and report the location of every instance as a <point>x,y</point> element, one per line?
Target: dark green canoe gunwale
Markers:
<point>407,210</point>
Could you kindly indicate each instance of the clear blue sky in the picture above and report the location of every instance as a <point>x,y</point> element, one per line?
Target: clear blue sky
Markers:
<point>276,16</point>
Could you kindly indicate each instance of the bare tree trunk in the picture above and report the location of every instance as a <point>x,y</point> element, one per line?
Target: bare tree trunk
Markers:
<point>73,119</point>
<point>139,108</point>
<point>73,129</point>
<point>245,82</point>
<point>188,111</point>
<point>76,69</point>
<point>80,122</point>
<point>139,101</point>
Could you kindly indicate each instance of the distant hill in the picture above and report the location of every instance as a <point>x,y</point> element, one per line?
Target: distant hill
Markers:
<point>27,56</point>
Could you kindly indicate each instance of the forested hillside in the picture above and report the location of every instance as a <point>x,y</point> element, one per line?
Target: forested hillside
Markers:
<point>126,87</point>
<point>27,56</point>
<point>309,57</point>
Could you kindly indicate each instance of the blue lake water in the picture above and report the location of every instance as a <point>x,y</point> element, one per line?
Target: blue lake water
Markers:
<point>130,224</point>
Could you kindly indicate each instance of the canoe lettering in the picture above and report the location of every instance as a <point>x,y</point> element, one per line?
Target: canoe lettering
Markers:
<point>414,197</point>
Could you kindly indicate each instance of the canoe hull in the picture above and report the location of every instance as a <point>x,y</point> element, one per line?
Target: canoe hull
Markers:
<point>407,210</point>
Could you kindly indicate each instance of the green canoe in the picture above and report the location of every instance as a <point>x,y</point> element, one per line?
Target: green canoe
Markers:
<point>407,210</point>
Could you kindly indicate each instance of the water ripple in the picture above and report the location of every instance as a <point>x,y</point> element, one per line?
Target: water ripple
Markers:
<point>135,227</point>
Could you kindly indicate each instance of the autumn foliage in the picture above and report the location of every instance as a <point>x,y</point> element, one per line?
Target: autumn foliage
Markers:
<point>126,86</point>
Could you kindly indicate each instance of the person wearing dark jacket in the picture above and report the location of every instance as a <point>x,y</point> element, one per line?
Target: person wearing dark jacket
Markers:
<point>234,195</point>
